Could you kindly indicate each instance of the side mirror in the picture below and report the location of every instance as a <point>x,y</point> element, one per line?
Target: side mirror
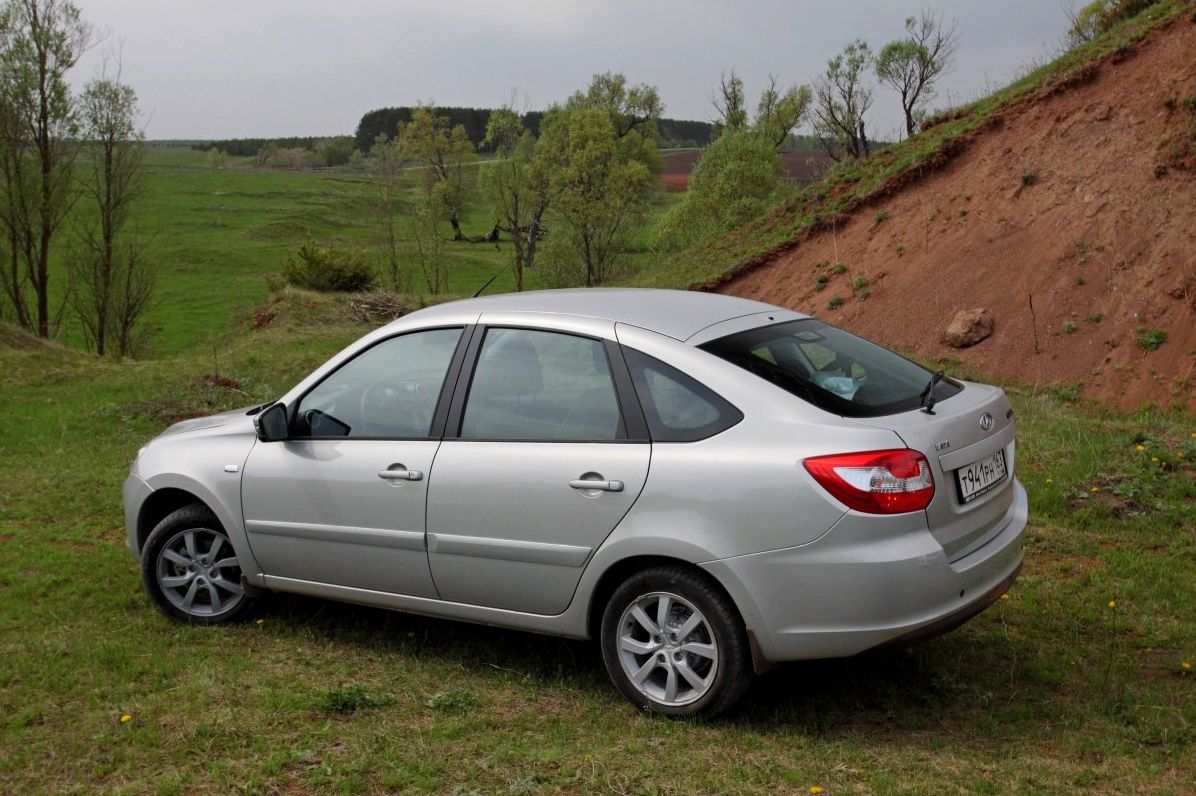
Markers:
<point>271,423</point>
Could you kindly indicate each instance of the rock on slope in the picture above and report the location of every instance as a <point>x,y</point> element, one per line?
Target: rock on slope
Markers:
<point>1066,202</point>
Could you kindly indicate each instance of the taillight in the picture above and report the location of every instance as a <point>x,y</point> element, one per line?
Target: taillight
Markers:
<point>876,482</point>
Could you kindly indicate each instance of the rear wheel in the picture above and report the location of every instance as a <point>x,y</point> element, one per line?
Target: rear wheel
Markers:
<point>673,643</point>
<point>190,570</point>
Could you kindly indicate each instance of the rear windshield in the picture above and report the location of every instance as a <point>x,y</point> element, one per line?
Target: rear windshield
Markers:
<point>831,368</point>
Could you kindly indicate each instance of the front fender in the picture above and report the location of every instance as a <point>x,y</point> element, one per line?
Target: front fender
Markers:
<point>224,500</point>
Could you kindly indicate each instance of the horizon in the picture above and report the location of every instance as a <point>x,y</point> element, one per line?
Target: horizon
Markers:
<point>318,74</point>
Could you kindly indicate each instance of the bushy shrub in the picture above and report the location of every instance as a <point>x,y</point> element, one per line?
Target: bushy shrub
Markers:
<point>321,268</point>
<point>1099,16</point>
<point>736,180</point>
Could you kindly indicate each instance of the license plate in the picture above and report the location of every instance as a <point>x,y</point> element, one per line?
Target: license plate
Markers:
<point>981,476</point>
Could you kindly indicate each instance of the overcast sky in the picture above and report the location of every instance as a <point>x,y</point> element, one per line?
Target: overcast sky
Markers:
<point>233,68</point>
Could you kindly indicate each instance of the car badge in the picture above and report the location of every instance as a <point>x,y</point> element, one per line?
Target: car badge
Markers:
<point>986,422</point>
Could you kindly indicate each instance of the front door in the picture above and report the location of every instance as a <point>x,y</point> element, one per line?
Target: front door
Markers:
<point>540,474</point>
<point>343,500</point>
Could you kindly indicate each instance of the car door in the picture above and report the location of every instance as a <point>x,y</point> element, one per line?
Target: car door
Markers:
<point>342,501</point>
<point>544,455</point>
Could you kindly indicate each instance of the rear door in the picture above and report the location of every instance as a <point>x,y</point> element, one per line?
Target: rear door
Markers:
<point>541,461</point>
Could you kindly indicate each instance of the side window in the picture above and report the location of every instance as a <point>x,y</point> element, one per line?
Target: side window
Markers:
<point>389,390</point>
<point>534,385</point>
<point>677,408</point>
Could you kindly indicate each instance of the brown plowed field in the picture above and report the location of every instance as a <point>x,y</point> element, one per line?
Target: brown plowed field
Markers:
<point>1061,201</point>
<point>801,165</point>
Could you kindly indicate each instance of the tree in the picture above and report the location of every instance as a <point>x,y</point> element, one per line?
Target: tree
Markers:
<point>427,214</point>
<point>135,280</point>
<point>597,192</point>
<point>631,108</point>
<point>386,161</point>
<point>517,197</point>
<point>443,154</point>
<point>634,112</point>
<point>40,40</point>
<point>736,180</point>
<point>912,65</point>
<point>841,100</point>
<point>729,101</point>
<point>114,147</point>
<point>778,113</point>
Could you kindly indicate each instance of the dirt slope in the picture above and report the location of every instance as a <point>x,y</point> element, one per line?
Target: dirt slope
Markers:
<point>1063,199</point>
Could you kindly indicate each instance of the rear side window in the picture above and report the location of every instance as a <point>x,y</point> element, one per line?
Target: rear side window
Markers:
<point>536,385</point>
<point>677,408</point>
<point>831,368</point>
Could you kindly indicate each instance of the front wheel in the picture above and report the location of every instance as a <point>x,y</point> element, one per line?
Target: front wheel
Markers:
<point>673,643</point>
<point>190,570</point>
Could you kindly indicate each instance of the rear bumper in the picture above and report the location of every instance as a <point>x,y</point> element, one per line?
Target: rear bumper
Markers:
<point>867,582</point>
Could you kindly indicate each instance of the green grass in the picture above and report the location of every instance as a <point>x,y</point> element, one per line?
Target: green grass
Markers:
<point>1049,690</point>
<point>219,234</point>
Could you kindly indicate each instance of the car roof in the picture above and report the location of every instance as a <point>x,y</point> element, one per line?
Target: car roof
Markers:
<point>677,313</point>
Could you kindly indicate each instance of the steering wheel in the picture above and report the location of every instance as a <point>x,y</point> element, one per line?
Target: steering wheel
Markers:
<point>385,403</point>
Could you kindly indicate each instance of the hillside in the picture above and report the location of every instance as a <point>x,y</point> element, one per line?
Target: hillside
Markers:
<point>1079,198</point>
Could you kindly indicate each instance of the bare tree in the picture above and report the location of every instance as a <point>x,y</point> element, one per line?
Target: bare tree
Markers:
<point>729,100</point>
<point>911,66</point>
<point>135,281</point>
<point>16,191</point>
<point>114,146</point>
<point>841,100</point>
<point>40,40</point>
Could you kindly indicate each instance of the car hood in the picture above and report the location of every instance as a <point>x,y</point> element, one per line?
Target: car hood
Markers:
<point>237,417</point>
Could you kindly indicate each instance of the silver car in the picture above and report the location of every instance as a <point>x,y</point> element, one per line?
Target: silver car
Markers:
<point>706,485</point>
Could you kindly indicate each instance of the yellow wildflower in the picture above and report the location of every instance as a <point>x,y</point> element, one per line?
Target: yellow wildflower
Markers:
<point>1112,603</point>
<point>1186,665</point>
<point>125,718</point>
<point>815,789</point>
<point>1094,489</point>
<point>1154,459</point>
<point>1005,596</point>
<point>1050,480</point>
<point>1141,448</point>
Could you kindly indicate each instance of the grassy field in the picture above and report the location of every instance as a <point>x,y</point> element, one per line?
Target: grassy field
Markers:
<point>219,233</point>
<point>1081,680</point>
<point>1078,681</point>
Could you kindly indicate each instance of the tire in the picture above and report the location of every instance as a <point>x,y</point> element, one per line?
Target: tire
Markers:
<point>701,673</point>
<point>190,570</point>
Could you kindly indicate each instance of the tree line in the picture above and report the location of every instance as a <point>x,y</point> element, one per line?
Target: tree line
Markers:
<point>475,122</point>
<point>70,172</point>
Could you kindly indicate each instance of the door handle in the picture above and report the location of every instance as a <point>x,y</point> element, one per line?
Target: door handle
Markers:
<point>605,486</point>
<point>402,474</point>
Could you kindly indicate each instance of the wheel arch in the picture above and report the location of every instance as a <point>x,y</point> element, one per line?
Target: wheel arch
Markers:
<point>159,505</point>
<point>624,568</point>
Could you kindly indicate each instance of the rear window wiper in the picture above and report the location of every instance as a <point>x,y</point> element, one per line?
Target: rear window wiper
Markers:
<point>928,393</point>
